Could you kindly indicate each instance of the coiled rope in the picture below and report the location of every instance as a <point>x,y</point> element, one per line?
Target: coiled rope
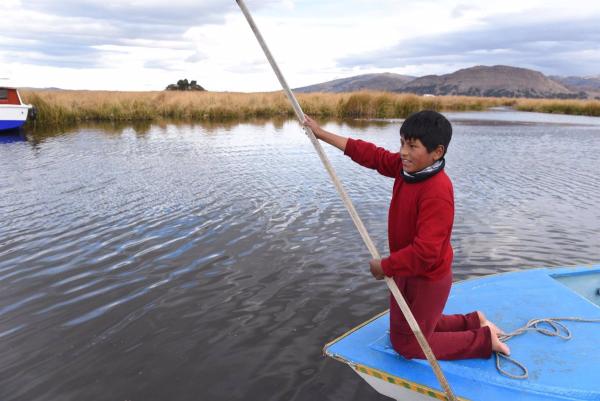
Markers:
<point>553,328</point>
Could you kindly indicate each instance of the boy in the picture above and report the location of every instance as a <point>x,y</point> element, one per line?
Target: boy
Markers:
<point>420,221</point>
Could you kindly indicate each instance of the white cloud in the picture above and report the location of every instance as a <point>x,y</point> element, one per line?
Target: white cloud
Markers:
<point>57,41</point>
<point>509,39</point>
<point>146,44</point>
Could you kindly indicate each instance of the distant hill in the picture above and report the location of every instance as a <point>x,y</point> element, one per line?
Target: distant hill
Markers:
<point>496,81</point>
<point>386,81</point>
<point>591,85</point>
<point>49,89</point>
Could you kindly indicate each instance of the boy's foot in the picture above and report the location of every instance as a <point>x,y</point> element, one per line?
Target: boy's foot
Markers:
<point>484,322</point>
<point>498,345</point>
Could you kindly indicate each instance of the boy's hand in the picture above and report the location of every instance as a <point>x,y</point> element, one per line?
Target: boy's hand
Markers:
<point>328,137</point>
<point>312,124</point>
<point>376,269</point>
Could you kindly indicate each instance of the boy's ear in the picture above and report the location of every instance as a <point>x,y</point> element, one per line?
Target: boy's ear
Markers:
<point>438,152</point>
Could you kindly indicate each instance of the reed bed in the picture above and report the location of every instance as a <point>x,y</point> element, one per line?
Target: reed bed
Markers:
<point>577,107</point>
<point>57,108</point>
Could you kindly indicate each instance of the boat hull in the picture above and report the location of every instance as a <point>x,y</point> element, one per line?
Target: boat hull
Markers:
<point>6,125</point>
<point>12,116</point>
<point>399,389</point>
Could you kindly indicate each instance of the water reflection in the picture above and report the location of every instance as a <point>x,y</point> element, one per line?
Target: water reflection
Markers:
<point>37,135</point>
<point>12,136</point>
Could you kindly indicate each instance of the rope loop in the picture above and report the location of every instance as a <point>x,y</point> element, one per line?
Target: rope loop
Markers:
<point>500,356</point>
<point>556,328</point>
<point>547,326</point>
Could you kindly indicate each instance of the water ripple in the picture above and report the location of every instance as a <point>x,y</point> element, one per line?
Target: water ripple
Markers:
<point>144,265</point>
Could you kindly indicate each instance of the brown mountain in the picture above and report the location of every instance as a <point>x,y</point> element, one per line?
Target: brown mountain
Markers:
<point>585,83</point>
<point>493,81</point>
<point>591,85</point>
<point>382,82</point>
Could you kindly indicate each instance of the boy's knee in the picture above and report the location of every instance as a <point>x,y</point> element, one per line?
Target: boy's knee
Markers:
<point>408,347</point>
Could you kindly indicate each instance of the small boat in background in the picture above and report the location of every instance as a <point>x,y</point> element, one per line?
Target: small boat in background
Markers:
<point>557,369</point>
<point>13,112</point>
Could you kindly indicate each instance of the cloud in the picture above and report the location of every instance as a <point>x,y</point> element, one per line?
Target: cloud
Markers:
<point>554,46</point>
<point>182,13</point>
<point>77,33</point>
<point>164,65</point>
<point>462,9</point>
<point>196,57</point>
<point>130,44</point>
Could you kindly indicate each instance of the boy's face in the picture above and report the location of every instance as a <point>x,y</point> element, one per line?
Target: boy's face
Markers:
<point>415,156</point>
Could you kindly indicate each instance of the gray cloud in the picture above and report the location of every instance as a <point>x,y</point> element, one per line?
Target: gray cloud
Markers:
<point>71,33</point>
<point>168,13</point>
<point>563,47</point>
<point>160,64</point>
<point>196,57</point>
<point>461,10</point>
<point>54,50</point>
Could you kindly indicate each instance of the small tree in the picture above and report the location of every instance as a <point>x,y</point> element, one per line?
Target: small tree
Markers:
<point>185,85</point>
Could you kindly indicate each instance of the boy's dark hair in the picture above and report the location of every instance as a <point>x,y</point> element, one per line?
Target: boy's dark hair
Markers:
<point>430,127</point>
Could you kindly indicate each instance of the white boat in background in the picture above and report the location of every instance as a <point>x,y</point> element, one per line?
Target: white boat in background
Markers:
<point>13,112</point>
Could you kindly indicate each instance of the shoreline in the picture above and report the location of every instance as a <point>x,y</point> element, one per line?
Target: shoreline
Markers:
<point>65,108</point>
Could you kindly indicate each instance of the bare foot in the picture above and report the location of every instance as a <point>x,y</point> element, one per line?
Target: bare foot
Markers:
<point>498,345</point>
<point>484,322</point>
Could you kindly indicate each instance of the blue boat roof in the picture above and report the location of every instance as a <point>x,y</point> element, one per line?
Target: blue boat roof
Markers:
<point>558,369</point>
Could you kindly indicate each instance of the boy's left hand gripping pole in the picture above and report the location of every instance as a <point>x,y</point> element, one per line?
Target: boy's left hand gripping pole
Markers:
<point>348,203</point>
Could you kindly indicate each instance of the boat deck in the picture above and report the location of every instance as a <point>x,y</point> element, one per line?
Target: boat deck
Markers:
<point>558,369</point>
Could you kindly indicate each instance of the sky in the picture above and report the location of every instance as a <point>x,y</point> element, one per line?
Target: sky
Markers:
<point>142,45</point>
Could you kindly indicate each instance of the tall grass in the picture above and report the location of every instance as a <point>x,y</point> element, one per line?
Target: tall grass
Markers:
<point>577,107</point>
<point>57,108</point>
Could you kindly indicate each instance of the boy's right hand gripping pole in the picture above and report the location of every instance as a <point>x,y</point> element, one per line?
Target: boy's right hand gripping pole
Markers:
<point>350,207</point>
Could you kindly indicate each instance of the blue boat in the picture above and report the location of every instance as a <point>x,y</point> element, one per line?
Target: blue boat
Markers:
<point>558,368</point>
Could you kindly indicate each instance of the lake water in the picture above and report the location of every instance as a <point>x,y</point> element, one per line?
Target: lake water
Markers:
<point>213,262</point>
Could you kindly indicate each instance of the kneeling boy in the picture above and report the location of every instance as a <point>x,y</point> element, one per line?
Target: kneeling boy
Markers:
<point>420,220</point>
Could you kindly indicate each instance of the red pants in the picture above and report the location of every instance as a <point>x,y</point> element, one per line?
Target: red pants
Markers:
<point>449,336</point>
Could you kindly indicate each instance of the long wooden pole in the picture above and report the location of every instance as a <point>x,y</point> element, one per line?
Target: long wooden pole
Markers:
<point>349,205</point>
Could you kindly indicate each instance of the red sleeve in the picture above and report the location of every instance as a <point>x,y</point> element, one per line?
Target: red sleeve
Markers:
<point>434,226</point>
<point>368,155</point>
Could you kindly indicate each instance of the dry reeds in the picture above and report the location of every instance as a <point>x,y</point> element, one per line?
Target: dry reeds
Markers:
<point>68,107</point>
<point>577,107</point>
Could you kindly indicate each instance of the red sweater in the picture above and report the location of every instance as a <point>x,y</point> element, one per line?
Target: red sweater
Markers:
<point>420,217</point>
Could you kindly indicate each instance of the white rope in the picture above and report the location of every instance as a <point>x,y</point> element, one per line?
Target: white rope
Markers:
<point>353,214</point>
<point>557,330</point>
